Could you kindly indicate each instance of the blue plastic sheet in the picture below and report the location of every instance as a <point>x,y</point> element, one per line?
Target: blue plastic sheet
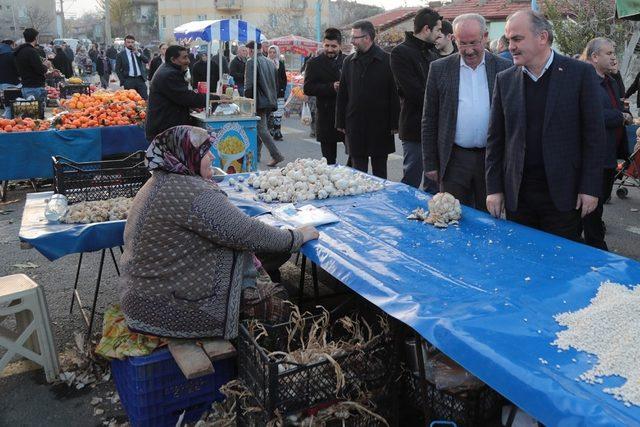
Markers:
<point>484,292</point>
<point>55,240</point>
<point>122,139</point>
<point>28,155</point>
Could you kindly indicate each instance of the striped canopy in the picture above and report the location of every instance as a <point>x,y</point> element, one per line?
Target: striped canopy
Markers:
<point>222,30</point>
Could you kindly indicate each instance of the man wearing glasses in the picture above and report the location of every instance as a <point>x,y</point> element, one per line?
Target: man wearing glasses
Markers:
<point>456,113</point>
<point>367,105</point>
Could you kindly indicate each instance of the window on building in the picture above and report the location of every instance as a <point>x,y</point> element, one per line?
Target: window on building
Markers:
<point>8,7</point>
<point>273,20</point>
<point>163,22</point>
<point>202,17</point>
<point>177,20</point>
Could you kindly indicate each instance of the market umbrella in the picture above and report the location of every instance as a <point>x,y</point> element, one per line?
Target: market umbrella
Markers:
<point>295,44</point>
<point>628,9</point>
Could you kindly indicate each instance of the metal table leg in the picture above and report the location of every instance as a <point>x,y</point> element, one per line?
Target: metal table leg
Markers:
<point>3,190</point>
<point>95,296</point>
<point>75,285</point>
<point>115,264</point>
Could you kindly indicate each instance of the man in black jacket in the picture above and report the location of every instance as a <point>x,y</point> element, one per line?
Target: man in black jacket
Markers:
<point>170,99</point>
<point>367,105</point>
<point>322,80</point>
<point>236,68</point>
<point>410,62</point>
<point>157,61</point>
<point>130,68</point>
<point>31,67</point>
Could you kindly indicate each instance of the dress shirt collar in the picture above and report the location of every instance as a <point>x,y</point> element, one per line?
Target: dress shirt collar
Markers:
<point>463,64</point>
<point>545,68</point>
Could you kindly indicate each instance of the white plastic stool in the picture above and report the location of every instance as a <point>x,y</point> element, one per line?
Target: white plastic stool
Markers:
<point>26,301</point>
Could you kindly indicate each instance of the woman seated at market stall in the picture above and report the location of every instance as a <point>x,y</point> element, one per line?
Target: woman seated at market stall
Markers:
<point>188,263</point>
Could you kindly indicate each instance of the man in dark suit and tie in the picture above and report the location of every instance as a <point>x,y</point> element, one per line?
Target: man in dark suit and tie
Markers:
<point>130,68</point>
<point>544,149</point>
<point>456,113</point>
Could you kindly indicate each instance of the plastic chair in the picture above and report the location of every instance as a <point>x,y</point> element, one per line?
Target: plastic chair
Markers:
<point>24,299</point>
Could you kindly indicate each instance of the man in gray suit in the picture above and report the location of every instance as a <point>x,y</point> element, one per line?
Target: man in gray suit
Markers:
<point>456,114</point>
<point>544,150</point>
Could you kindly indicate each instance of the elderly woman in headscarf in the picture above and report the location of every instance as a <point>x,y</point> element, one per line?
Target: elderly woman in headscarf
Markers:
<point>188,263</point>
<point>281,86</point>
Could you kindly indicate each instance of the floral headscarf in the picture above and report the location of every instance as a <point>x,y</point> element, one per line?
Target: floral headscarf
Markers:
<point>179,149</point>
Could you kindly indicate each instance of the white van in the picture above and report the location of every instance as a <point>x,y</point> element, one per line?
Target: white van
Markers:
<point>72,43</point>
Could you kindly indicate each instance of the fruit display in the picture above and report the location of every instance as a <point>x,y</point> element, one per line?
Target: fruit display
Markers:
<point>52,92</point>
<point>297,92</point>
<point>120,108</point>
<point>75,80</point>
<point>23,125</point>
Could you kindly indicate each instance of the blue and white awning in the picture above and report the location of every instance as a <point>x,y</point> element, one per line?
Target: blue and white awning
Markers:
<point>221,30</point>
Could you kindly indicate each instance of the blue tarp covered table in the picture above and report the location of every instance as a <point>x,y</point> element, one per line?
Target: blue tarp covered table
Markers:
<point>28,154</point>
<point>483,292</point>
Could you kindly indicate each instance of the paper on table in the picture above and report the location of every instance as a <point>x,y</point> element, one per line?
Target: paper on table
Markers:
<point>304,215</point>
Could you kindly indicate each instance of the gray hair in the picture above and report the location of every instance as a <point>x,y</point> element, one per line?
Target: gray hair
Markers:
<point>471,17</point>
<point>594,46</point>
<point>538,23</point>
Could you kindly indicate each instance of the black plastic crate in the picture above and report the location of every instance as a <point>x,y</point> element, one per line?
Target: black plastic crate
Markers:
<point>33,109</point>
<point>68,90</point>
<point>54,81</point>
<point>291,388</point>
<point>100,180</point>
<point>10,95</point>
<point>468,408</point>
<point>386,407</point>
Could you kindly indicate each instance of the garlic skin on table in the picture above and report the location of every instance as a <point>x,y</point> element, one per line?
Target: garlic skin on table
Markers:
<point>309,179</point>
<point>444,210</point>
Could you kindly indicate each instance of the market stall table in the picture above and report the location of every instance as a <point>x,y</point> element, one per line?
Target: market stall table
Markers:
<point>484,292</point>
<point>27,155</point>
<point>55,240</point>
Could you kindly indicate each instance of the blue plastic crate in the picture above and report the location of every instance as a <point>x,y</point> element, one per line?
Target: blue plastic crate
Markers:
<point>154,392</point>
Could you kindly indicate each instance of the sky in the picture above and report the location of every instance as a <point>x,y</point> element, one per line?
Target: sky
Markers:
<point>79,7</point>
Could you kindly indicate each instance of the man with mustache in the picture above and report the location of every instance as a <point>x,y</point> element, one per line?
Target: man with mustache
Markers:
<point>544,151</point>
<point>456,113</point>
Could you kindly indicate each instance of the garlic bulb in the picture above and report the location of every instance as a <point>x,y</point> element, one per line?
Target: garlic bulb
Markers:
<point>309,179</point>
<point>98,211</point>
<point>444,210</point>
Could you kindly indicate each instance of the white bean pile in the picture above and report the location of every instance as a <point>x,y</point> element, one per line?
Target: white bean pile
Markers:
<point>608,328</point>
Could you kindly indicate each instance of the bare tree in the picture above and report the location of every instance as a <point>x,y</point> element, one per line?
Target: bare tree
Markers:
<point>122,15</point>
<point>345,12</point>
<point>37,17</point>
<point>281,21</point>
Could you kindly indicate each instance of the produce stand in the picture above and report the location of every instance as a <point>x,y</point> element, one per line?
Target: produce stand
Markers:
<point>235,136</point>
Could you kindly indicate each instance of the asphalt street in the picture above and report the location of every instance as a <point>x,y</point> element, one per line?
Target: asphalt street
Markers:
<point>27,400</point>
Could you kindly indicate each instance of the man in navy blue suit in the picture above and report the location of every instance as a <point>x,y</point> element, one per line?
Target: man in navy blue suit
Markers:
<point>544,148</point>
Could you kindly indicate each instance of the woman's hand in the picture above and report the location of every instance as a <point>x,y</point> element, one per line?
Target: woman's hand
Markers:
<point>309,232</point>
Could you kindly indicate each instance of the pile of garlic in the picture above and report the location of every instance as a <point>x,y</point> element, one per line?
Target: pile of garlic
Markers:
<point>309,179</point>
<point>98,211</point>
<point>609,328</point>
<point>444,210</point>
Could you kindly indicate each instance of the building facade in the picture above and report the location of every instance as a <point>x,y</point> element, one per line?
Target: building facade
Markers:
<point>16,15</point>
<point>274,17</point>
